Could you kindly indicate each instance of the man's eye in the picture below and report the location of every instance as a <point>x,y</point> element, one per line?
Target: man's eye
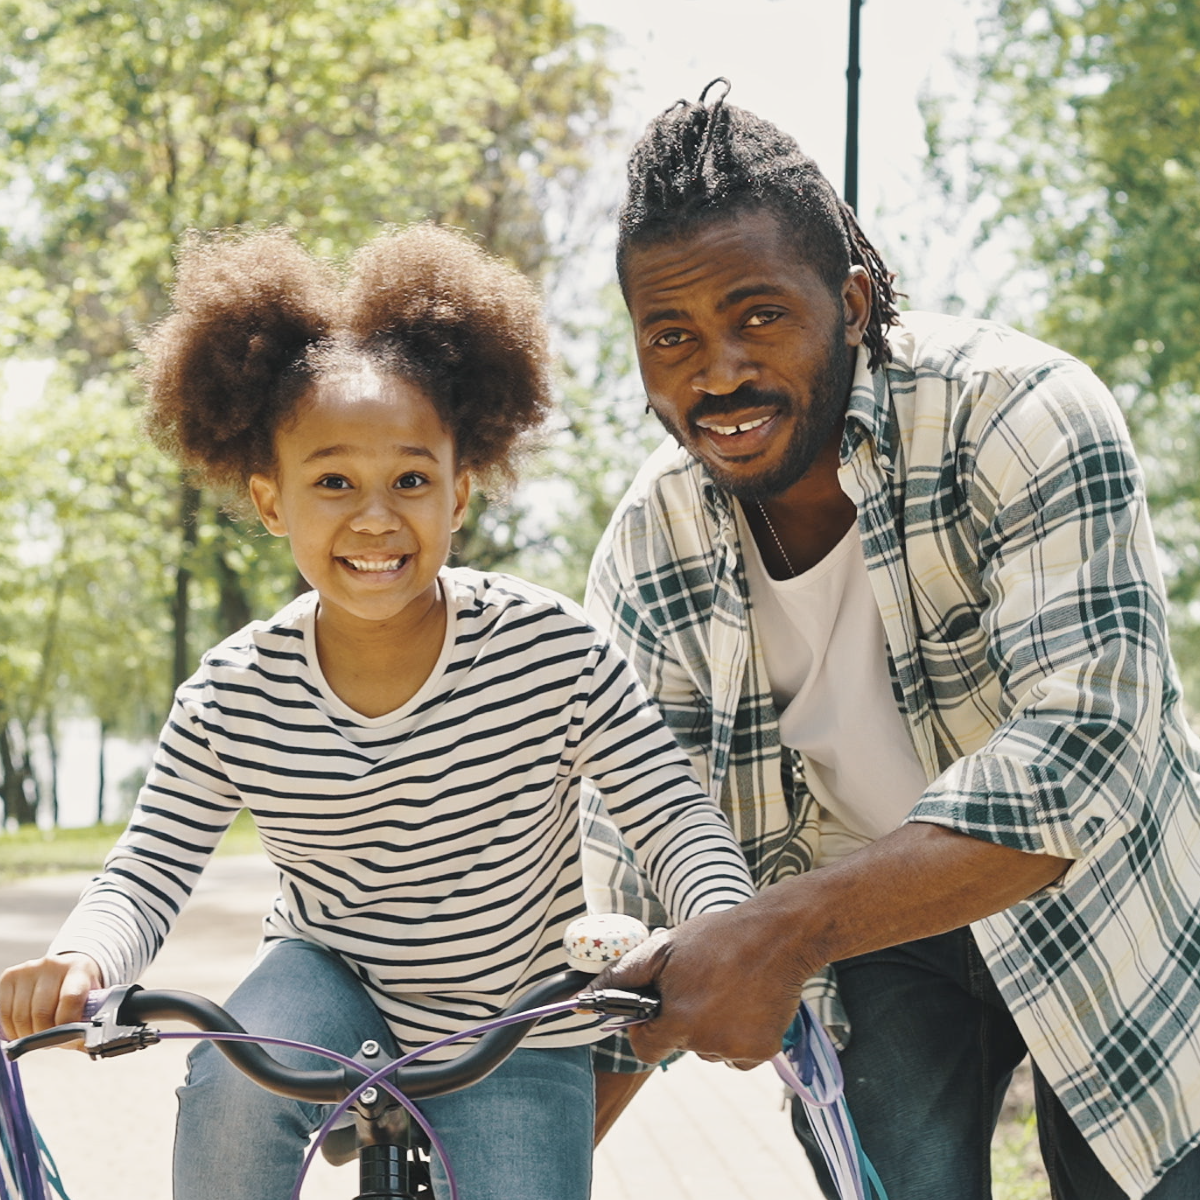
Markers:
<point>764,317</point>
<point>333,482</point>
<point>671,337</point>
<point>411,479</point>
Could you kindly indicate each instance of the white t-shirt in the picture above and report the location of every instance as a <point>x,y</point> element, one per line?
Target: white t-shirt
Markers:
<point>823,642</point>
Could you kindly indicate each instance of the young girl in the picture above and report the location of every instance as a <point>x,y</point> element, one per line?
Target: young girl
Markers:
<point>410,738</point>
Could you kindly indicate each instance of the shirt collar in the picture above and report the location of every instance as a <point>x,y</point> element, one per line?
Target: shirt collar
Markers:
<point>869,413</point>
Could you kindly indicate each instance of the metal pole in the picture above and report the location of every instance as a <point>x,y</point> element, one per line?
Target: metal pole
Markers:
<point>853,73</point>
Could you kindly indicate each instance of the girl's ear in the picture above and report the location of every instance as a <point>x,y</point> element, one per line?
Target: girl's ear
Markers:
<point>462,497</point>
<point>265,495</point>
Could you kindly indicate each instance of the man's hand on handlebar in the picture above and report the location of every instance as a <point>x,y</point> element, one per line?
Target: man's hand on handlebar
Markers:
<point>724,994</point>
<point>43,992</point>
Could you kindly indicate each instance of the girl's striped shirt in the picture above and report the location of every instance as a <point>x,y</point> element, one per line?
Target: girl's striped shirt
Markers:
<point>437,848</point>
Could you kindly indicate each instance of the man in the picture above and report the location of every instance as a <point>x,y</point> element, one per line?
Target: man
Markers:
<point>896,592</point>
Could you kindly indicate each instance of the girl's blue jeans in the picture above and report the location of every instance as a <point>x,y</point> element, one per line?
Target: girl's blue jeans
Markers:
<point>523,1133</point>
<point>931,1053</point>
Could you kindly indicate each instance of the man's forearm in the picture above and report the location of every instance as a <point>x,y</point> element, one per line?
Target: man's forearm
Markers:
<point>917,881</point>
<point>731,981</point>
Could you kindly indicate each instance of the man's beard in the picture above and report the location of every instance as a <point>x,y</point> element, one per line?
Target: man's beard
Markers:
<point>814,426</point>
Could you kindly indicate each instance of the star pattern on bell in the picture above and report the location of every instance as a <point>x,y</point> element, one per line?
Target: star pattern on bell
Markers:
<point>599,938</point>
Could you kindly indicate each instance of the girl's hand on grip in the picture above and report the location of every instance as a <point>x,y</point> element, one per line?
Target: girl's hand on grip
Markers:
<point>48,991</point>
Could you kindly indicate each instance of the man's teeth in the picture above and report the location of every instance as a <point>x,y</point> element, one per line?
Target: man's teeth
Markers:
<point>367,564</point>
<point>745,427</point>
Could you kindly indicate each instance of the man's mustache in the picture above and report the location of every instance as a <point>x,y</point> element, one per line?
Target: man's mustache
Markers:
<point>747,396</point>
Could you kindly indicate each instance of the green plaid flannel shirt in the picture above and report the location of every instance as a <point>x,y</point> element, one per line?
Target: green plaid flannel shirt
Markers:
<point>1005,528</point>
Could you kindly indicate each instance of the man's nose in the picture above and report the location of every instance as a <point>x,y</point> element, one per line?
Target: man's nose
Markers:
<point>726,365</point>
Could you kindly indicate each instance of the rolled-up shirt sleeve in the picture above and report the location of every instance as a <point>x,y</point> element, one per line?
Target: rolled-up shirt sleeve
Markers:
<point>1072,625</point>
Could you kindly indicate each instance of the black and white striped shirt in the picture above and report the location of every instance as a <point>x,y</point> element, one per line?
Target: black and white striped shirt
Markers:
<point>437,848</point>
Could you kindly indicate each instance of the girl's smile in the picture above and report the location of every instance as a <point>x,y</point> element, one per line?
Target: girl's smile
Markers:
<point>388,564</point>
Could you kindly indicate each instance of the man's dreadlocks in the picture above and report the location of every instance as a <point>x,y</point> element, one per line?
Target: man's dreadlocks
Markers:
<point>698,163</point>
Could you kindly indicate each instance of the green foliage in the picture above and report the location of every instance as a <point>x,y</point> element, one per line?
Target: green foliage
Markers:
<point>128,123</point>
<point>1097,163</point>
<point>125,123</point>
<point>30,851</point>
<point>80,575</point>
<point>83,568</point>
<point>603,436</point>
<point>1017,1170</point>
<point>1080,150</point>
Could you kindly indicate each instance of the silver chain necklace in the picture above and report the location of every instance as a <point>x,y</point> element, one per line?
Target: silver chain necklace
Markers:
<point>787,562</point>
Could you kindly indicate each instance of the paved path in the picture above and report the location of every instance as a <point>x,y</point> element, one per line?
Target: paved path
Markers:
<point>695,1132</point>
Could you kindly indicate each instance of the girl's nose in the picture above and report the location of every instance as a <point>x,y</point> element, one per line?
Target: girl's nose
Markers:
<point>724,367</point>
<point>376,514</point>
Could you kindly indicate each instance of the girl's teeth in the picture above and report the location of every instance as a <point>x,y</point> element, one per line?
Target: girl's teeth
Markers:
<point>392,564</point>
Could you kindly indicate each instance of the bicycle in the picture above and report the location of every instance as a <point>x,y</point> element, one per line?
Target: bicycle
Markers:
<point>389,1137</point>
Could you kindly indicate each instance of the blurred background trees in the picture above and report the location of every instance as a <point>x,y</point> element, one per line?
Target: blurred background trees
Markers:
<point>124,123</point>
<point>1067,159</point>
<point>1076,150</point>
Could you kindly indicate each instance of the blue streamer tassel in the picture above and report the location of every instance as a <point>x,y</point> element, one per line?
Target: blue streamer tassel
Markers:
<point>808,1064</point>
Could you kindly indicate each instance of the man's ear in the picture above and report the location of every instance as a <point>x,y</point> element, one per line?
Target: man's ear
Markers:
<point>265,494</point>
<point>462,497</point>
<point>856,304</point>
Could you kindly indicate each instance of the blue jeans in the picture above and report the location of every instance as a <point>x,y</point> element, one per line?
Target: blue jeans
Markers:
<point>931,1053</point>
<point>523,1133</point>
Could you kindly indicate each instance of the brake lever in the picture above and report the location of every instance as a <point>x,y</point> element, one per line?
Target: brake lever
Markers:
<point>56,1036</point>
<point>104,1034</point>
<point>616,1002</point>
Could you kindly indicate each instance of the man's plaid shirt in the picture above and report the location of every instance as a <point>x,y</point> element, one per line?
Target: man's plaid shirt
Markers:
<point>1005,528</point>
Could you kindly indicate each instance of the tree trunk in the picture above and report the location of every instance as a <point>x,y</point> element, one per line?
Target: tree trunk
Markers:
<point>52,745</point>
<point>189,503</point>
<point>32,781</point>
<point>100,787</point>
<point>8,778</point>
<point>17,805</point>
<point>234,607</point>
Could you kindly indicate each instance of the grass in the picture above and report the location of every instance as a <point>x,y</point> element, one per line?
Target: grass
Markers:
<point>30,851</point>
<point>1017,1170</point>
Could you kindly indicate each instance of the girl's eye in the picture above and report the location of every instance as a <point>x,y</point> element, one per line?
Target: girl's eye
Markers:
<point>333,482</point>
<point>410,479</point>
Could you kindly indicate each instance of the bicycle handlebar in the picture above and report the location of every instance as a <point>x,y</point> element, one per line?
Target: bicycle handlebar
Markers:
<point>122,1024</point>
<point>335,1083</point>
